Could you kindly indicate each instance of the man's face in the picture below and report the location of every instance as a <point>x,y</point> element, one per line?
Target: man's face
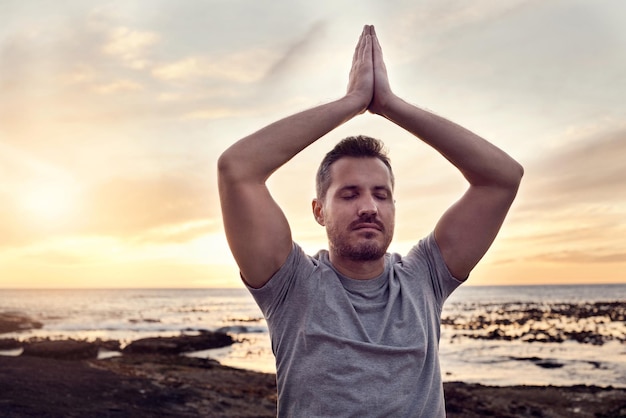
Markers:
<point>358,210</point>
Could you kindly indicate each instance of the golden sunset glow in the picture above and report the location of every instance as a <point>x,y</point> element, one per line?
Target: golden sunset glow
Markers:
<point>48,202</point>
<point>112,117</point>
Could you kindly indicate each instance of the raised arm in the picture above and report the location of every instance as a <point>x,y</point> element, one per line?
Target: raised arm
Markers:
<point>467,229</point>
<point>257,231</point>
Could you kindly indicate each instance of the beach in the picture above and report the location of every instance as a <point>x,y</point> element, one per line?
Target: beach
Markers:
<point>174,386</point>
<point>505,352</point>
<point>151,377</point>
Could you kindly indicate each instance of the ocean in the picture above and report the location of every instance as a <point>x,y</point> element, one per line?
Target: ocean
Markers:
<point>494,335</point>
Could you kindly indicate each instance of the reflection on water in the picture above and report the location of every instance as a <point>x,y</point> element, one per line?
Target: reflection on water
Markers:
<point>560,335</point>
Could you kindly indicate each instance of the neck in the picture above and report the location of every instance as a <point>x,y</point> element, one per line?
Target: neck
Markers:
<point>358,270</point>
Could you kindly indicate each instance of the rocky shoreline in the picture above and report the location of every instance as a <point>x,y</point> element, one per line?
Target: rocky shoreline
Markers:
<point>150,385</point>
<point>150,378</point>
<point>584,323</point>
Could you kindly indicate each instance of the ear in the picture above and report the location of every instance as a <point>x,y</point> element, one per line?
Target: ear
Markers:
<point>318,211</point>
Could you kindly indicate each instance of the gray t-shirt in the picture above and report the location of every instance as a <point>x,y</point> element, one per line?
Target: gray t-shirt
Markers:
<point>358,348</point>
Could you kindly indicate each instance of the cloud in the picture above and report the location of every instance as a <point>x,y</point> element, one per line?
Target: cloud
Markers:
<point>167,208</point>
<point>55,75</point>
<point>293,53</point>
<point>67,92</point>
<point>242,63</point>
<point>118,86</point>
<point>600,255</point>
<point>449,14</point>
<point>56,256</point>
<point>217,112</point>
<point>240,67</point>
<point>178,233</point>
<point>571,209</point>
<point>130,46</point>
<point>12,231</point>
<point>127,207</point>
<point>590,170</point>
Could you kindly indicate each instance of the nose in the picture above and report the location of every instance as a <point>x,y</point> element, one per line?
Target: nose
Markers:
<point>368,207</point>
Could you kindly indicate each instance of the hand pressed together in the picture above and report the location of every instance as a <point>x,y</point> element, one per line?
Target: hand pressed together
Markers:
<point>368,81</point>
<point>361,80</point>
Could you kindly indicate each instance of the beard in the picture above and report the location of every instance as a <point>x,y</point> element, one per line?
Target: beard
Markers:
<point>369,250</point>
<point>360,252</point>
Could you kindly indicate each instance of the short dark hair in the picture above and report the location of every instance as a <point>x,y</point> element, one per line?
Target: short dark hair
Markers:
<point>360,146</point>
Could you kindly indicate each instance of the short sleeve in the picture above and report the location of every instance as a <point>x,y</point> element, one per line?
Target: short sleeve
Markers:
<point>272,296</point>
<point>426,254</point>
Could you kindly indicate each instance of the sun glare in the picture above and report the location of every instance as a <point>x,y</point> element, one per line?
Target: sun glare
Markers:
<point>48,202</point>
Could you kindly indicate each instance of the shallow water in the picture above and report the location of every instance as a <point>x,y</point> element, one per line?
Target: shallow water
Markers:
<point>559,335</point>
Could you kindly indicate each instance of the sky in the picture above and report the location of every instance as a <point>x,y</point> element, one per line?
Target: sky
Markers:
<point>113,115</point>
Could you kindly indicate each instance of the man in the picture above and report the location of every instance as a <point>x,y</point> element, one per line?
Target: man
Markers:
<point>355,330</point>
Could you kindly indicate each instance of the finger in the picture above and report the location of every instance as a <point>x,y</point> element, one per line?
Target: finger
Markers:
<point>367,48</point>
<point>359,46</point>
<point>378,50</point>
<point>375,36</point>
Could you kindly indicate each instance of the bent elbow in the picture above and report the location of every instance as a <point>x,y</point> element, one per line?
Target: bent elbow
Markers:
<point>519,173</point>
<point>508,178</point>
<point>516,174</point>
<point>224,164</point>
<point>510,173</point>
<point>234,166</point>
<point>228,167</point>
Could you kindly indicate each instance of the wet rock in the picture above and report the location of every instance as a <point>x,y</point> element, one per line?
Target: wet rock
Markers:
<point>61,350</point>
<point>543,363</point>
<point>15,322</point>
<point>240,329</point>
<point>586,337</point>
<point>234,329</point>
<point>547,364</point>
<point>585,323</point>
<point>178,345</point>
<point>110,345</point>
<point>10,344</point>
<point>145,321</point>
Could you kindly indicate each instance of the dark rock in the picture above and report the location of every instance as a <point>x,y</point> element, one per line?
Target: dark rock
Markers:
<point>62,350</point>
<point>239,329</point>
<point>110,345</point>
<point>178,345</point>
<point>13,322</point>
<point>584,323</point>
<point>181,387</point>
<point>146,321</point>
<point>43,387</point>
<point>543,363</point>
<point>546,364</point>
<point>10,344</point>
<point>585,337</point>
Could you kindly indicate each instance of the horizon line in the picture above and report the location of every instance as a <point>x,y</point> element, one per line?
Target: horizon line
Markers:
<point>244,288</point>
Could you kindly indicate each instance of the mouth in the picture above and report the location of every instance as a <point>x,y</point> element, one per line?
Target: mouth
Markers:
<point>367,226</point>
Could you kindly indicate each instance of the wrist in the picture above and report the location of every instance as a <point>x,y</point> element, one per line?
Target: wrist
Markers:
<point>384,105</point>
<point>356,102</point>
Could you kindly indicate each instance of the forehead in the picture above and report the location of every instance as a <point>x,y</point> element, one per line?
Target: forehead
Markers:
<point>363,172</point>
